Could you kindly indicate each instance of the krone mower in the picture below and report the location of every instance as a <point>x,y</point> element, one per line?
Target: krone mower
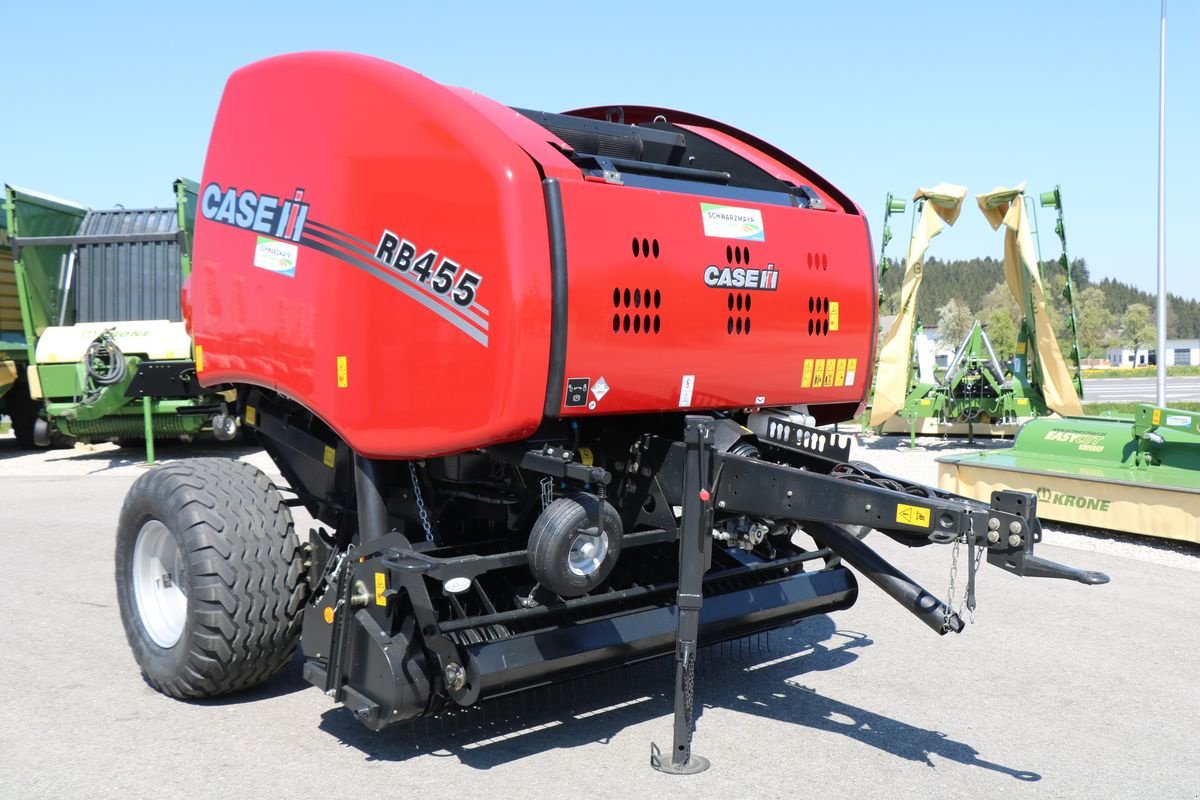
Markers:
<point>549,384</point>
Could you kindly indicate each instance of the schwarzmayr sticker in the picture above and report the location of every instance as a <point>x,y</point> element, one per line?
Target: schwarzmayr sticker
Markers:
<point>276,256</point>
<point>732,222</point>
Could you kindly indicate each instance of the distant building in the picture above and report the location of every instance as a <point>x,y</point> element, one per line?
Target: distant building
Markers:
<point>1180,352</point>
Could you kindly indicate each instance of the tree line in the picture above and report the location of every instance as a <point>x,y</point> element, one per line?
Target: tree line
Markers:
<point>1108,312</point>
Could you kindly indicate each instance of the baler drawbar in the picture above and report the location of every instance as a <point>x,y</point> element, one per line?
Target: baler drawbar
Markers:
<point>550,386</point>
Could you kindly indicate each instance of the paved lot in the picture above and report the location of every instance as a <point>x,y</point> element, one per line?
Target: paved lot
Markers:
<point>1060,690</point>
<point>1143,390</point>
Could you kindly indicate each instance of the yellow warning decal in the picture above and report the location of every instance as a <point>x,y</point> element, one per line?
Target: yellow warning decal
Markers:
<point>1156,417</point>
<point>851,371</point>
<point>830,370</point>
<point>380,589</point>
<point>917,516</point>
<point>251,415</point>
<point>586,457</point>
<point>330,456</point>
<point>819,372</point>
<point>199,358</point>
<point>840,380</point>
<point>806,381</point>
<point>833,315</point>
<point>925,401</point>
<point>343,377</point>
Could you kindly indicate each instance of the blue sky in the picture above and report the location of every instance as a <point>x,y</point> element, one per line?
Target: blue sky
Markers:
<point>107,102</point>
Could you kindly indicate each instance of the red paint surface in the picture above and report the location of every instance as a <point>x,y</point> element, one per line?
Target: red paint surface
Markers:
<point>377,146</point>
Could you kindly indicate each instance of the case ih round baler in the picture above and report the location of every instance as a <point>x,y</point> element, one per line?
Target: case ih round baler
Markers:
<point>548,383</point>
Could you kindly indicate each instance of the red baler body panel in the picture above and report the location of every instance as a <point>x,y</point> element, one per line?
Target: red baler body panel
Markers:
<point>376,147</point>
<point>736,347</point>
<point>379,248</point>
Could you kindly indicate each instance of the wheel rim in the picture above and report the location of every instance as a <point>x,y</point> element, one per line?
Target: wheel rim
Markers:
<point>161,603</point>
<point>587,554</point>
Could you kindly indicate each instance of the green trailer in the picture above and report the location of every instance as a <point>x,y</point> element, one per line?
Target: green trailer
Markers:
<point>104,351</point>
<point>15,402</point>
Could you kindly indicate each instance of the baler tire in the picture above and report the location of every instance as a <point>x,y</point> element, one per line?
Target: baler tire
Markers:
<point>553,535</point>
<point>22,411</point>
<point>239,565</point>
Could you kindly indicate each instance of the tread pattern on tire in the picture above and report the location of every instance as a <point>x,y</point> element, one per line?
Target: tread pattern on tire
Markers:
<point>542,556</point>
<point>245,563</point>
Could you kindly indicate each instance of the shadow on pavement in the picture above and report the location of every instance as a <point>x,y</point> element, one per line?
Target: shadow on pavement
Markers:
<point>289,681</point>
<point>741,676</point>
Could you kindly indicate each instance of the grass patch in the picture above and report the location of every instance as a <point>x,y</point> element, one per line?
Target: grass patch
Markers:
<point>1096,409</point>
<point>1140,372</point>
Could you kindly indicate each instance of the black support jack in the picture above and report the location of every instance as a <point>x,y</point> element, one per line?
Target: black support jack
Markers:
<point>695,557</point>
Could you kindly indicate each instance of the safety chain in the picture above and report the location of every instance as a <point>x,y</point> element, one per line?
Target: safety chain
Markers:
<point>949,612</point>
<point>968,600</point>
<point>421,510</point>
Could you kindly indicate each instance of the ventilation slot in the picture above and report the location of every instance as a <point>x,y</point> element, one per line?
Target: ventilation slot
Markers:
<point>738,323</point>
<point>645,248</point>
<point>636,310</point>
<point>737,255</point>
<point>818,316</point>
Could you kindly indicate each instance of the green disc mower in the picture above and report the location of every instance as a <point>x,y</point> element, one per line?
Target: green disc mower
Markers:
<point>978,393</point>
<point>1138,474</point>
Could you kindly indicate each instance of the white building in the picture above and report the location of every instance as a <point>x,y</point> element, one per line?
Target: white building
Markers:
<point>1180,352</point>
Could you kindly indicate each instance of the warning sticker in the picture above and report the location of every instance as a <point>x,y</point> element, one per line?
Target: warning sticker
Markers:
<point>916,516</point>
<point>343,374</point>
<point>685,390</point>
<point>833,315</point>
<point>577,392</point>
<point>829,372</point>
<point>380,589</point>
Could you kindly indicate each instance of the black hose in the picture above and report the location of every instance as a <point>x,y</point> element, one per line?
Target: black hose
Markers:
<point>104,361</point>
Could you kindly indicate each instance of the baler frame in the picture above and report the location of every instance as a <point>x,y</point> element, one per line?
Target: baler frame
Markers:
<point>801,478</point>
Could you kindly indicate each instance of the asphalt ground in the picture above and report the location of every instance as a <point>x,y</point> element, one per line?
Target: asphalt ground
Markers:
<point>1144,390</point>
<point>1059,691</point>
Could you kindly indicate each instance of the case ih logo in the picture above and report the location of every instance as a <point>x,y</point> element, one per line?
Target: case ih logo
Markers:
<point>261,213</point>
<point>742,278</point>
